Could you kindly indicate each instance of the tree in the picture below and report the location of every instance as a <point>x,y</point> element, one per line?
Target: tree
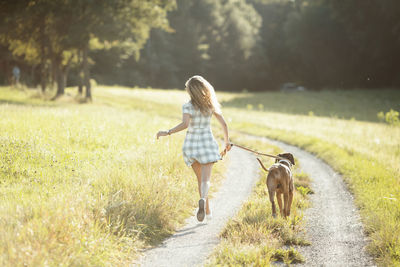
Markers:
<point>59,30</point>
<point>373,28</point>
<point>212,38</point>
<point>22,31</point>
<point>120,24</point>
<point>233,43</point>
<point>320,45</point>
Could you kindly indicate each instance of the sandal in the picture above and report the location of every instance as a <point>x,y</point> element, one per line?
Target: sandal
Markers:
<point>201,212</point>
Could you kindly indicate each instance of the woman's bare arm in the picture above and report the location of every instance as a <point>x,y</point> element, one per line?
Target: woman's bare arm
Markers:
<point>181,126</point>
<point>221,120</point>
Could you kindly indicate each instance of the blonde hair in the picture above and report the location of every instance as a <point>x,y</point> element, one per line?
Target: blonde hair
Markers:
<point>202,95</point>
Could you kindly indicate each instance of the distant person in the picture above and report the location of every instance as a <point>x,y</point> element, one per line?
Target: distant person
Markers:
<point>16,75</point>
<point>200,149</point>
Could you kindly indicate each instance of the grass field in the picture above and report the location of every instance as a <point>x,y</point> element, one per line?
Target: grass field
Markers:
<point>90,169</point>
<point>87,185</point>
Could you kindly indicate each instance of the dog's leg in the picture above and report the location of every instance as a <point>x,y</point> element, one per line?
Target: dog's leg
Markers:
<point>291,192</point>
<point>285,189</point>
<point>272,199</point>
<point>286,203</point>
<point>279,198</point>
<point>290,202</point>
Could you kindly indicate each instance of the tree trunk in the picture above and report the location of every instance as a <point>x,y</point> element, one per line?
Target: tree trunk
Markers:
<point>60,83</point>
<point>65,70</point>
<point>31,82</point>
<point>80,73</point>
<point>43,76</point>
<point>86,73</point>
<point>53,73</point>
<point>61,74</point>
<point>58,76</point>
<point>64,75</point>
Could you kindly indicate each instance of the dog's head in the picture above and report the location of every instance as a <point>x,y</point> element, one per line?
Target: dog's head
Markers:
<point>287,156</point>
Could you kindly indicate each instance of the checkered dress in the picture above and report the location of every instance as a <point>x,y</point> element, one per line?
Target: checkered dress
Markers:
<point>199,144</point>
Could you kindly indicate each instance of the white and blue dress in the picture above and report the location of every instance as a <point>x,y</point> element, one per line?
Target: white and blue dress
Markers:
<point>200,144</point>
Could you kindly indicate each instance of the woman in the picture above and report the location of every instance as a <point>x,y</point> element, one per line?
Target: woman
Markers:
<point>200,150</point>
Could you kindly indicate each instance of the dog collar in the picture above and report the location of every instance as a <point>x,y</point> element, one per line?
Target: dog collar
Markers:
<point>287,161</point>
<point>286,167</point>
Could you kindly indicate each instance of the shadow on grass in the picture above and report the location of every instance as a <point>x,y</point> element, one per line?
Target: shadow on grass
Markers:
<point>35,101</point>
<point>362,105</point>
<point>23,103</point>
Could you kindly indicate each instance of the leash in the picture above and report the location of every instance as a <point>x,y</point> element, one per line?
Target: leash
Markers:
<point>223,153</point>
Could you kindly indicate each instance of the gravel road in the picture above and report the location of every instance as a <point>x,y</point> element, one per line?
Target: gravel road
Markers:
<point>191,245</point>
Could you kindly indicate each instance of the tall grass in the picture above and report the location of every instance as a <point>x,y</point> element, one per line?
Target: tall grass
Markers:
<point>87,185</point>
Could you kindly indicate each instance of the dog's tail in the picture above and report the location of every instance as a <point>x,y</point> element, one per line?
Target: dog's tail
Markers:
<point>262,165</point>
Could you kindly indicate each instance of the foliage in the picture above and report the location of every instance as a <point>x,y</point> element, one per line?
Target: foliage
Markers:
<point>207,36</point>
<point>260,45</point>
<point>53,32</point>
<point>237,44</point>
<point>391,117</point>
<point>373,30</point>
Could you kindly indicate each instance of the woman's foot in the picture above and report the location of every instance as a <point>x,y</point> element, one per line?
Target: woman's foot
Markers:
<point>209,216</point>
<point>208,210</point>
<point>201,213</point>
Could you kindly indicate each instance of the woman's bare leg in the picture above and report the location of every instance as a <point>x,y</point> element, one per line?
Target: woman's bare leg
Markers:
<point>205,182</point>
<point>196,166</point>
<point>197,170</point>
<point>205,178</point>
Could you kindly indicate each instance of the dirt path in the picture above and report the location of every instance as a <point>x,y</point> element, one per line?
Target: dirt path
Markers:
<point>191,245</point>
<point>333,223</point>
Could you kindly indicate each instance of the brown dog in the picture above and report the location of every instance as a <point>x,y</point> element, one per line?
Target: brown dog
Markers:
<point>280,180</point>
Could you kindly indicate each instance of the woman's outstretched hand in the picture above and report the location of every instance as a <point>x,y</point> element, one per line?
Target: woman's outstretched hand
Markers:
<point>228,146</point>
<point>161,133</point>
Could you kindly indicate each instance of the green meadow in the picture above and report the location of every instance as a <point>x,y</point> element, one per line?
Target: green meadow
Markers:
<point>88,184</point>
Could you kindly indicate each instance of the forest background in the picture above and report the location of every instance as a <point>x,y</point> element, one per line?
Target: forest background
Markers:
<point>239,45</point>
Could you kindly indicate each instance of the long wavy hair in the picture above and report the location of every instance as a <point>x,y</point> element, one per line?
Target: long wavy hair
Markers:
<point>202,95</point>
